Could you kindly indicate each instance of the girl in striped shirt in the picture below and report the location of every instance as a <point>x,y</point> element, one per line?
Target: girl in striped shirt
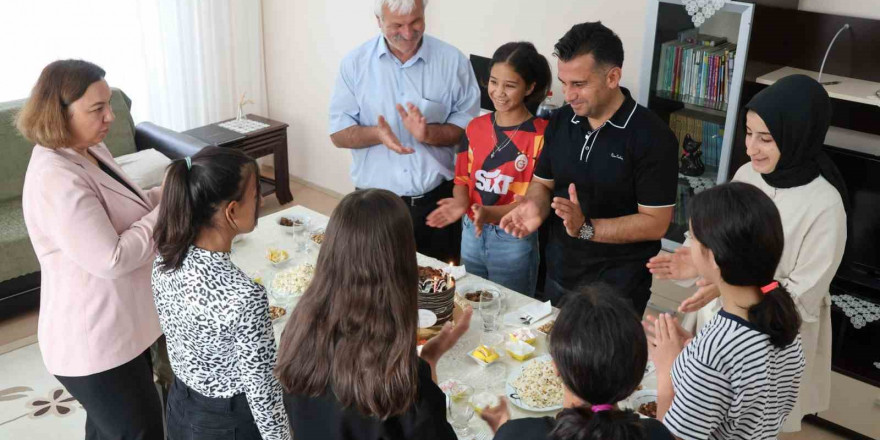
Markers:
<point>739,377</point>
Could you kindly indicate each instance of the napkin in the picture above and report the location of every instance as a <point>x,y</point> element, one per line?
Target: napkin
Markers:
<point>537,311</point>
<point>457,272</point>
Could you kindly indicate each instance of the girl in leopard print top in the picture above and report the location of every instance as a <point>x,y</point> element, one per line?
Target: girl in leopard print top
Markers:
<point>216,320</point>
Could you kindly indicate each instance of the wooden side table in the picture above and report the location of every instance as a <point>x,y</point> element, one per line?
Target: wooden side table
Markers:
<point>263,142</point>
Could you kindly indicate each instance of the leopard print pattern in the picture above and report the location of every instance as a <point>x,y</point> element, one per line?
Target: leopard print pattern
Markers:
<point>220,338</point>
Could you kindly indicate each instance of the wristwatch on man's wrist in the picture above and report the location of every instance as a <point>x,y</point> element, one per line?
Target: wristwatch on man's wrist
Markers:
<point>587,231</point>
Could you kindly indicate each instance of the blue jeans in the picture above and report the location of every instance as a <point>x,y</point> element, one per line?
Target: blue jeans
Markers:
<point>500,257</point>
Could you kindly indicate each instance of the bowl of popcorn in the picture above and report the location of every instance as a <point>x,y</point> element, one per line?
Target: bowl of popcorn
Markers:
<point>291,283</point>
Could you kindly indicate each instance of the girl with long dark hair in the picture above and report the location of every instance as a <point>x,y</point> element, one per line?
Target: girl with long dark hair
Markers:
<point>494,165</point>
<point>600,352</point>
<point>215,318</point>
<point>739,377</point>
<point>348,360</point>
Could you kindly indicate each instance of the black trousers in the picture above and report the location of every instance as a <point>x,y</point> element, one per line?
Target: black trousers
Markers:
<point>193,416</point>
<point>630,279</point>
<point>443,244</point>
<point>120,403</point>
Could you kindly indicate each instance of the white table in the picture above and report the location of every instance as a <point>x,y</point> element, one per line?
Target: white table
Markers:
<point>249,253</point>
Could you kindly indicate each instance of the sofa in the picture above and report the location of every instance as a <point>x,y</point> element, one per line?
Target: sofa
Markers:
<point>19,268</point>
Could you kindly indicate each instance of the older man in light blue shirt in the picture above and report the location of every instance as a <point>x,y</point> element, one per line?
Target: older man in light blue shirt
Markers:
<point>402,100</point>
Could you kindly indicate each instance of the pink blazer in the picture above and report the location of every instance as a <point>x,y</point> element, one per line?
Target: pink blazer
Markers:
<point>94,240</point>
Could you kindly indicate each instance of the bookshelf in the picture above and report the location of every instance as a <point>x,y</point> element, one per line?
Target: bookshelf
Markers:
<point>692,78</point>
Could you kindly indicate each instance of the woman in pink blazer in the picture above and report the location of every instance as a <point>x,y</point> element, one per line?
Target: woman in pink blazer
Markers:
<point>91,228</point>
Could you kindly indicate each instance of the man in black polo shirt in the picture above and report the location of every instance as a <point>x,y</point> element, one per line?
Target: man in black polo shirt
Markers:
<point>609,172</point>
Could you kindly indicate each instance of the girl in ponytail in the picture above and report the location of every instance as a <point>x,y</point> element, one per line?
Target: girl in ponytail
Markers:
<point>195,188</point>
<point>740,376</point>
<point>600,352</point>
<point>215,318</point>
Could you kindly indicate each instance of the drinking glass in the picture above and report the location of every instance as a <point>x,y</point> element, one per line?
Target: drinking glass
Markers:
<point>300,232</point>
<point>490,309</point>
<point>461,409</point>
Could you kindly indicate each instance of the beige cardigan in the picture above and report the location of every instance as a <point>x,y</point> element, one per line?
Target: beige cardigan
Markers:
<point>814,223</point>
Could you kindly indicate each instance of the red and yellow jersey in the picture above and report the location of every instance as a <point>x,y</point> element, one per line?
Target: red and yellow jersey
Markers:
<point>497,162</point>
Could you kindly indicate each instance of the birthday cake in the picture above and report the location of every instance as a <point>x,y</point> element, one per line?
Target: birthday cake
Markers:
<point>436,293</point>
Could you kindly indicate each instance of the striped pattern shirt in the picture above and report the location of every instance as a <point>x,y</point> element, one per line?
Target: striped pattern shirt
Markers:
<point>730,382</point>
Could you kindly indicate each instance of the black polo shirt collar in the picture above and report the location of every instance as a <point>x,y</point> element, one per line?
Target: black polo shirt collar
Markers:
<point>620,119</point>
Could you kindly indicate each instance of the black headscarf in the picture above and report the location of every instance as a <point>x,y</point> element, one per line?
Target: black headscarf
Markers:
<point>797,110</point>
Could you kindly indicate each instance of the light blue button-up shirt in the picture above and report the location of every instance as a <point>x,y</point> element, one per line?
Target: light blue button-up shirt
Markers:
<point>439,80</point>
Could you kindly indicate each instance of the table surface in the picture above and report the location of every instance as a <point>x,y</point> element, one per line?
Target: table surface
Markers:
<point>214,134</point>
<point>249,253</point>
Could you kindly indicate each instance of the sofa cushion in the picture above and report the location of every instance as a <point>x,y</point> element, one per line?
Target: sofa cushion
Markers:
<point>15,150</point>
<point>17,256</point>
<point>120,138</point>
<point>146,167</point>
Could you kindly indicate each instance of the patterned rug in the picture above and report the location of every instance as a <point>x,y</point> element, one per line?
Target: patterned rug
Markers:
<point>33,404</point>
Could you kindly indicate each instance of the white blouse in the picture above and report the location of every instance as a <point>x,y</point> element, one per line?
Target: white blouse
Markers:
<point>220,339</point>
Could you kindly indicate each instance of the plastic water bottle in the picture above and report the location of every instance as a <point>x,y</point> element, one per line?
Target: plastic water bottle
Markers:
<point>547,107</point>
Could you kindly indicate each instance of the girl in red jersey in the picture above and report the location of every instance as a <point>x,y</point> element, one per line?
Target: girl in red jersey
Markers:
<point>494,164</point>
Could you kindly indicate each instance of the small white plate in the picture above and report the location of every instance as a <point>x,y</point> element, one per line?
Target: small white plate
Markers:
<point>511,392</point>
<point>481,362</point>
<point>427,318</point>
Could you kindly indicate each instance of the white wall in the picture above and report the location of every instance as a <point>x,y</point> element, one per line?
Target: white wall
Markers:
<point>852,8</point>
<point>839,137</point>
<point>305,40</point>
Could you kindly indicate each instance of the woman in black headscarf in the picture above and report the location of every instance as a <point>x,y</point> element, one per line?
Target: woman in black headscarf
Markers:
<point>785,127</point>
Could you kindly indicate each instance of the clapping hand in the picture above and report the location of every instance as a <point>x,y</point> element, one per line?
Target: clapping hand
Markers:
<point>414,121</point>
<point>569,210</point>
<point>705,294</point>
<point>522,220</point>
<point>387,137</point>
<point>649,324</point>
<point>668,338</point>
<point>434,349</point>
<point>448,210</point>
<point>675,266</point>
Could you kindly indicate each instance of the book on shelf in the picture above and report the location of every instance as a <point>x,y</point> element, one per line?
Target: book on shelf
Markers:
<point>707,130</point>
<point>696,70</point>
<point>693,36</point>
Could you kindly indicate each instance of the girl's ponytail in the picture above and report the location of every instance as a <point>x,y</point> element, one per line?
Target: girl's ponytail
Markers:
<point>582,423</point>
<point>776,315</point>
<point>174,231</point>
